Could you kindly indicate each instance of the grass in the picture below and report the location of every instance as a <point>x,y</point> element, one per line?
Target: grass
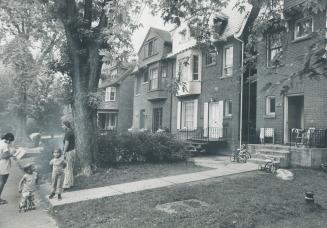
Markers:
<point>117,175</point>
<point>248,200</point>
<point>134,172</point>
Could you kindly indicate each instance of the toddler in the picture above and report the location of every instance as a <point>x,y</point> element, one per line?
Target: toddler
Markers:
<point>27,187</point>
<point>58,165</point>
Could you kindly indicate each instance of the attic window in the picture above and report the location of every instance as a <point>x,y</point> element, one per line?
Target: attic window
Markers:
<point>220,24</point>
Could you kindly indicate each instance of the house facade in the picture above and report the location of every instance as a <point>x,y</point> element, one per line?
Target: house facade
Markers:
<point>299,103</point>
<point>152,82</point>
<point>210,102</point>
<point>117,86</point>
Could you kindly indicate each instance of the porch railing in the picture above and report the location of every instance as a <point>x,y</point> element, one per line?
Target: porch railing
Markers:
<point>203,134</point>
<point>311,137</point>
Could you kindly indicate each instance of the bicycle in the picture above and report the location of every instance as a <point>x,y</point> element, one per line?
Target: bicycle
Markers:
<point>270,166</point>
<point>240,155</point>
<point>28,204</point>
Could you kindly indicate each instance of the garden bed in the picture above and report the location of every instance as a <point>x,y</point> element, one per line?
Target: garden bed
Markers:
<point>255,199</point>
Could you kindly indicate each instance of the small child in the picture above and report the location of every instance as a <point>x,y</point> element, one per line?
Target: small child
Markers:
<point>58,165</point>
<point>27,187</point>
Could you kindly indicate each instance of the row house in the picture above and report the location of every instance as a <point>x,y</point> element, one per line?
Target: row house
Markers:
<point>208,102</point>
<point>117,87</point>
<point>302,105</point>
<point>153,82</point>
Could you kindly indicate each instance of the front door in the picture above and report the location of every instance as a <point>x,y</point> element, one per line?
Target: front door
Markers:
<point>293,114</point>
<point>215,119</point>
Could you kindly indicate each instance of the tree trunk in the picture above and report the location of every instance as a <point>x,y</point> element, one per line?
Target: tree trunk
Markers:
<point>21,116</point>
<point>85,75</point>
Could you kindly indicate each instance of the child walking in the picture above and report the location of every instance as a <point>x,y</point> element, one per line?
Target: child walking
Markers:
<point>58,165</point>
<point>27,187</point>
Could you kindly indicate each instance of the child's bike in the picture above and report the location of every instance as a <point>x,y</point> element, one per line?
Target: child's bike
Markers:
<point>240,155</point>
<point>27,204</point>
<point>270,165</point>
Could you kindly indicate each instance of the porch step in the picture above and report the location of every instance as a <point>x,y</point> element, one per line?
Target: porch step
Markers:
<point>269,147</point>
<point>272,152</point>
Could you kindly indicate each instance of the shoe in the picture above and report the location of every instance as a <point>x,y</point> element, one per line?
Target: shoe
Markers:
<point>59,197</point>
<point>51,195</point>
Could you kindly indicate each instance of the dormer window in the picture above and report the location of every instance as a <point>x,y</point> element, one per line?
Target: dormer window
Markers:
<point>110,94</point>
<point>150,48</point>
<point>303,27</point>
<point>219,24</point>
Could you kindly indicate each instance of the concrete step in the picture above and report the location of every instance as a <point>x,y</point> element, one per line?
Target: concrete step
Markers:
<point>272,152</point>
<point>268,146</point>
<point>265,156</point>
<point>284,163</point>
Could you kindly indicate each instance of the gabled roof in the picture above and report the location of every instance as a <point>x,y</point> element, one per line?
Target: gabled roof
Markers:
<point>164,35</point>
<point>118,80</point>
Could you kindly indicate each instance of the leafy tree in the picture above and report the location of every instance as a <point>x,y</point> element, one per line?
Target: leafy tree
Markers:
<point>27,37</point>
<point>96,31</point>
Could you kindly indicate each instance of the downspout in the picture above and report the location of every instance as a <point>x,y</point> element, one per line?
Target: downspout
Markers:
<point>241,102</point>
<point>171,98</point>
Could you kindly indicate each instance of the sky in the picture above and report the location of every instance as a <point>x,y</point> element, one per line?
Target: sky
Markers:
<point>147,20</point>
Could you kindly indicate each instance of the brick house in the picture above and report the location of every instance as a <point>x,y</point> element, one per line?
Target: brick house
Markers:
<point>304,104</point>
<point>117,87</point>
<point>152,79</point>
<point>210,105</point>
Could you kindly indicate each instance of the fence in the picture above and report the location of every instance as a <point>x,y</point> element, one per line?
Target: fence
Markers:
<point>310,137</point>
<point>203,134</point>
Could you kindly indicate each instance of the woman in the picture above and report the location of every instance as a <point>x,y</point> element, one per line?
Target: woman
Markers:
<point>5,161</point>
<point>69,154</point>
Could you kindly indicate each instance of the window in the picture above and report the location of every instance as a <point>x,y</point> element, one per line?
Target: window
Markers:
<point>270,105</point>
<point>142,119</point>
<point>274,49</point>
<point>154,82</point>
<point>150,48</point>
<point>138,85</point>
<point>228,107</point>
<point>145,75</point>
<point>188,115</point>
<point>211,58</point>
<point>228,61</point>
<point>195,68</point>
<point>164,71</point>
<point>110,94</point>
<point>303,27</point>
<point>183,66</point>
<point>107,121</point>
<point>157,119</point>
<point>113,74</point>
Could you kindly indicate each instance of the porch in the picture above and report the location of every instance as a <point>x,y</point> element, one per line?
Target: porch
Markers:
<point>209,134</point>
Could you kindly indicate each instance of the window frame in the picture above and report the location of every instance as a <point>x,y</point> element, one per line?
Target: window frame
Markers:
<point>108,93</point>
<point>224,61</point>
<point>197,74</point>
<point>300,21</point>
<point>150,48</point>
<point>268,106</point>
<point>212,54</point>
<point>228,109</point>
<point>164,69</point>
<point>270,49</point>
<point>185,121</point>
<point>151,79</point>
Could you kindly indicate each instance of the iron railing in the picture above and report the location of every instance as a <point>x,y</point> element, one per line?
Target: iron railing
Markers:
<point>311,137</point>
<point>203,134</point>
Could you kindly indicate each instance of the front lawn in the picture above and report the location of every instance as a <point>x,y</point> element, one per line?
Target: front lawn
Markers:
<point>134,172</point>
<point>253,199</point>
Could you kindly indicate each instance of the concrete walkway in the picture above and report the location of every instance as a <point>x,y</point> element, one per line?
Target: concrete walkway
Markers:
<point>221,167</point>
<point>9,215</point>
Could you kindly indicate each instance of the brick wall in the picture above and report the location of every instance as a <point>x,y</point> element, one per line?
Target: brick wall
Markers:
<point>314,91</point>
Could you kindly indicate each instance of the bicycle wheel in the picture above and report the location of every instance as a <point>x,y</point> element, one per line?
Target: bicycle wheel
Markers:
<point>243,158</point>
<point>273,169</point>
<point>268,166</point>
<point>232,158</point>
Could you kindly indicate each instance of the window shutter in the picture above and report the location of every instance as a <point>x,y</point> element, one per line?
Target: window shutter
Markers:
<point>221,112</point>
<point>179,106</point>
<point>195,121</point>
<point>205,119</point>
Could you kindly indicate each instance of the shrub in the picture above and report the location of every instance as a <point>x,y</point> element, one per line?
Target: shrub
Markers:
<point>140,147</point>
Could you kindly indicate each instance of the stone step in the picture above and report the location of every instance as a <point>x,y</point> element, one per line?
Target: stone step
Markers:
<point>272,152</point>
<point>265,156</point>
<point>284,163</point>
<point>268,146</point>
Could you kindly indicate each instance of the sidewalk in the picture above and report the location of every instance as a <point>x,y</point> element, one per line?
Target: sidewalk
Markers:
<point>9,215</point>
<point>222,167</point>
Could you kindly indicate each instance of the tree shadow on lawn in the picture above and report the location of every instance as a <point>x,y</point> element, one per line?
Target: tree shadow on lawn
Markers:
<point>244,201</point>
